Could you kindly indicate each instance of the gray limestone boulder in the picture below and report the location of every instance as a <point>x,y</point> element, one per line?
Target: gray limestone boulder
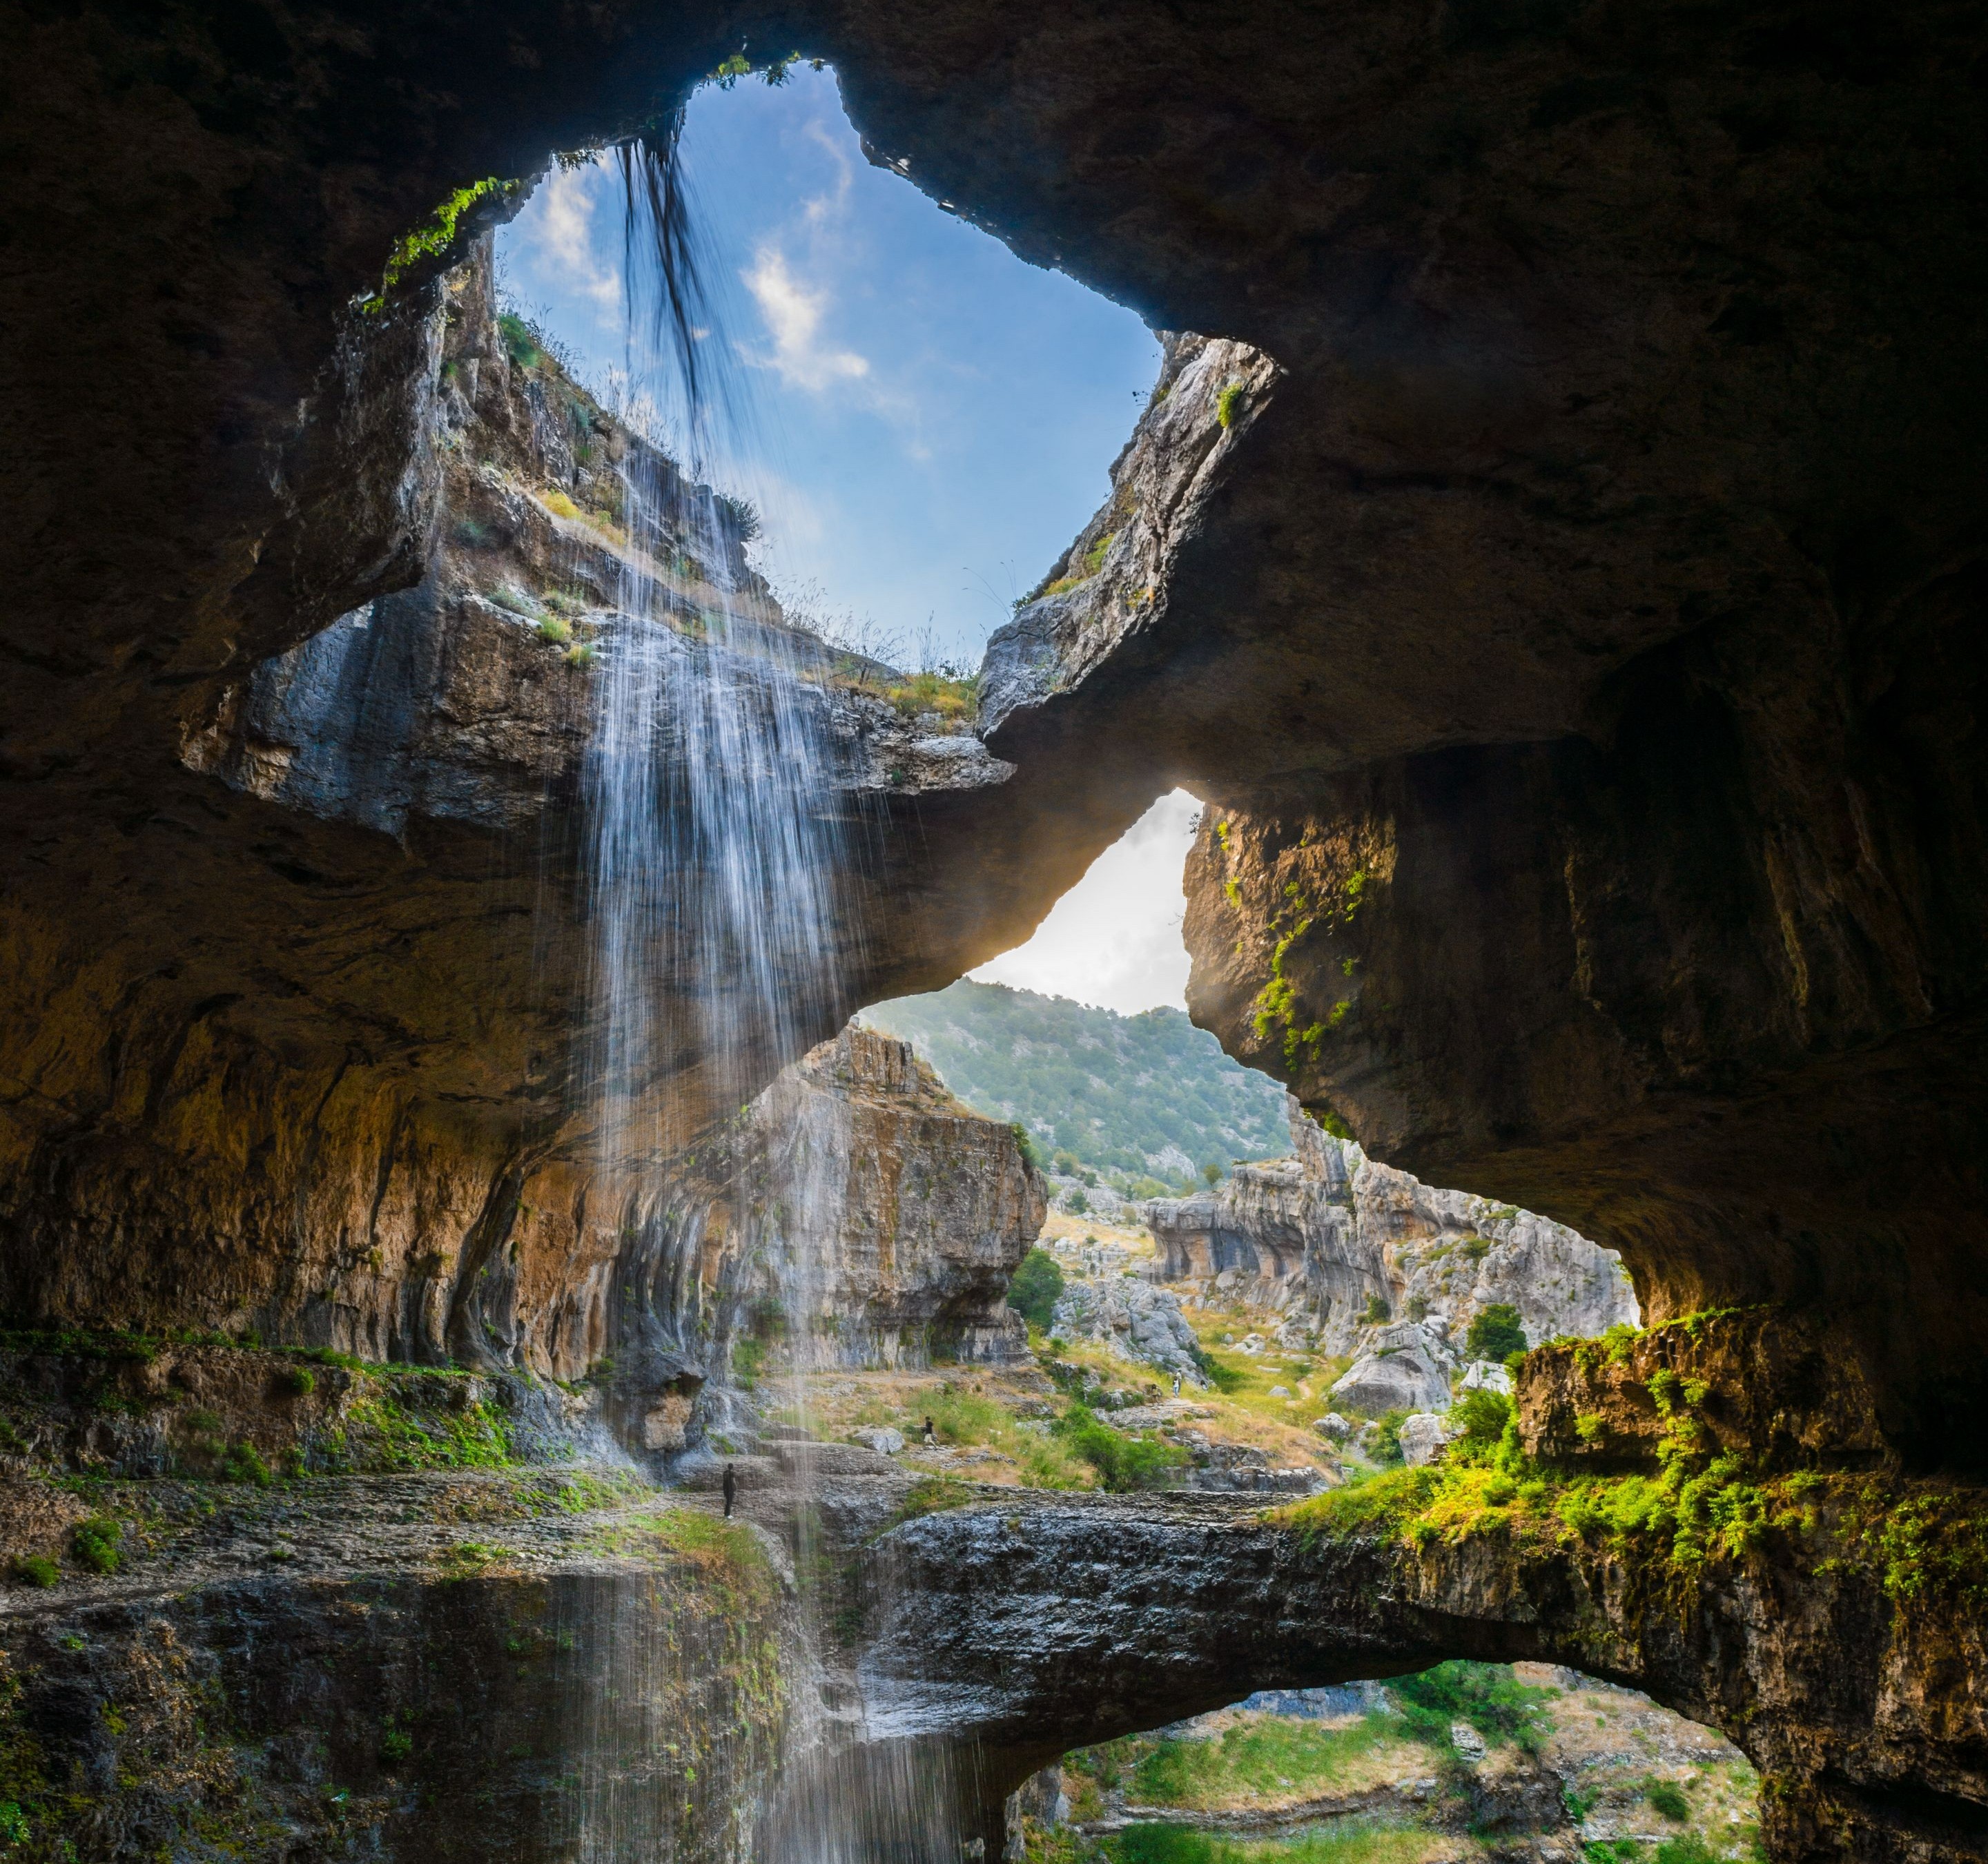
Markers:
<point>1406,1367</point>
<point>1136,1320</point>
<point>1424,1436</point>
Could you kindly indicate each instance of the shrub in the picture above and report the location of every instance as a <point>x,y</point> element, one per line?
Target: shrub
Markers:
<point>243,1462</point>
<point>1482,1416</point>
<point>1123,1463</point>
<point>1495,1332</point>
<point>555,629</point>
<point>1666,1797</point>
<point>1687,1848</point>
<point>580,654</point>
<point>1487,1696</point>
<point>1212,1172</point>
<point>1378,1311</point>
<point>739,516</point>
<point>1079,1205</point>
<point>1165,1844</point>
<point>95,1543</point>
<point>1032,1293</point>
<point>1387,1449</point>
<point>299,1382</point>
<point>36,1569</point>
<point>1225,1377</point>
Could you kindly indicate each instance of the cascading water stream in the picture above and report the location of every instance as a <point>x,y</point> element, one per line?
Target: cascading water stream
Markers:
<point>715,838</point>
<point>716,803</point>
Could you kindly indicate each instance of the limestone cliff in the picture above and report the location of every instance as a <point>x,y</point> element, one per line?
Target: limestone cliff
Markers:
<point>400,1172</point>
<point>855,1213</point>
<point>1359,1258</point>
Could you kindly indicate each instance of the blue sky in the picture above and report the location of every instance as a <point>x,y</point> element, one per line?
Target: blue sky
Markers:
<point>931,420</point>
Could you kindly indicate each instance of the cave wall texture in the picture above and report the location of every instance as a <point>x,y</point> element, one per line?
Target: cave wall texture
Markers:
<point>1590,572</point>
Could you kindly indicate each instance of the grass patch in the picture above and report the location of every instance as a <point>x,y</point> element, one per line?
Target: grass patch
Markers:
<point>1362,1844</point>
<point>1487,1696</point>
<point>1264,1760</point>
<point>931,1495</point>
<point>723,1555</point>
<point>950,696</point>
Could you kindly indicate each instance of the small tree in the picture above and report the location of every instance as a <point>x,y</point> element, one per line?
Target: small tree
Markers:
<point>1078,1205</point>
<point>1212,1172</point>
<point>1496,1333</point>
<point>1033,1292</point>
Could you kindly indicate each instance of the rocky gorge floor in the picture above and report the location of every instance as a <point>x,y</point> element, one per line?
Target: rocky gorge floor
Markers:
<point>1536,1763</point>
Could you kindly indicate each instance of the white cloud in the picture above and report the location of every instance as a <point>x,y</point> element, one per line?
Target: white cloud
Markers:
<point>1115,939</point>
<point>793,314</point>
<point>555,234</point>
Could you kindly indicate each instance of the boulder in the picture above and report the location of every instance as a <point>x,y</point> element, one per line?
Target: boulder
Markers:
<point>881,1438</point>
<point>1485,1375</point>
<point>1408,1371</point>
<point>1333,1426</point>
<point>1424,1436</point>
<point>1134,1319</point>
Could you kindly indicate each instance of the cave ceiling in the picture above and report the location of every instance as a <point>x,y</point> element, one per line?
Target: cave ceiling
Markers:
<point>1615,513</point>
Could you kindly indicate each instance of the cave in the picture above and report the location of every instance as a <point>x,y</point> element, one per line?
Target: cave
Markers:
<point>1545,554</point>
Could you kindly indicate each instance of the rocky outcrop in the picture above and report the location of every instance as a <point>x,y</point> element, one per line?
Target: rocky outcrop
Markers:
<point>400,1171</point>
<point>1031,1625</point>
<point>1134,1319</point>
<point>861,1216</point>
<point>1360,1258</point>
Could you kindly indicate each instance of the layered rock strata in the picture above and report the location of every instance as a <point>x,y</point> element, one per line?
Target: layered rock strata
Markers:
<point>1359,1258</point>
<point>261,1606</point>
<point>393,1167</point>
<point>1844,1661</point>
<point>857,1213</point>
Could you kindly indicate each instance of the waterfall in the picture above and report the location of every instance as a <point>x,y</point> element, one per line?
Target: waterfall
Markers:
<point>714,799</point>
<point>714,833</point>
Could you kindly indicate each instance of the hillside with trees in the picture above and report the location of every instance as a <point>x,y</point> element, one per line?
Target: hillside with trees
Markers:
<point>1146,1101</point>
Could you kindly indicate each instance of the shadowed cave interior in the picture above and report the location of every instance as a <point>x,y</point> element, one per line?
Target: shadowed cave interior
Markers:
<point>1551,555</point>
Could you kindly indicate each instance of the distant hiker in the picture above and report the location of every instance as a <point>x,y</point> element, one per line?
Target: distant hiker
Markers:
<point>931,1436</point>
<point>731,1488</point>
<point>1176,1385</point>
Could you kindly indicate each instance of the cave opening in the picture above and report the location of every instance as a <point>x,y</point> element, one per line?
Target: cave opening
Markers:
<point>1528,1760</point>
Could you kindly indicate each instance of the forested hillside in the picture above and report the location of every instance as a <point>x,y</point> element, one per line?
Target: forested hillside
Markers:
<point>1145,1097</point>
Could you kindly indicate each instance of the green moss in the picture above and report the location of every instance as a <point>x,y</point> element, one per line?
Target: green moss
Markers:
<point>243,1462</point>
<point>382,1431</point>
<point>433,238</point>
<point>97,1544</point>
<point>36,1569</point>
<point>1227,403</point>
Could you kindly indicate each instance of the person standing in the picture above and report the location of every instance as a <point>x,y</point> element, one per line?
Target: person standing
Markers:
<point>731,1485</point>
<point>931,1436</point>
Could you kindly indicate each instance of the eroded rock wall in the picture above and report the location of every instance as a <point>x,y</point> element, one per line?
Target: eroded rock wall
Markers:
<point>1841,1648</point>
<point>864,1216</point>
<point>1346,1249</point>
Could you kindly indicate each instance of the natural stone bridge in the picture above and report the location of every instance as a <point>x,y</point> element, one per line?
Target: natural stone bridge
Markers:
<point>1013,1629</point>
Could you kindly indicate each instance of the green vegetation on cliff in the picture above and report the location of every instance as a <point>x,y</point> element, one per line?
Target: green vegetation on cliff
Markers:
<point>1143,1096</point>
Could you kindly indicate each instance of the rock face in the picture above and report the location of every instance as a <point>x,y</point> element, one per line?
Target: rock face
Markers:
<point>1360,1258</point>
<point>398,1172</point>
<point>879,1218</point>
<point>1135,1319</point>
<point>1032,1625</point>
<point>1608,607</point>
